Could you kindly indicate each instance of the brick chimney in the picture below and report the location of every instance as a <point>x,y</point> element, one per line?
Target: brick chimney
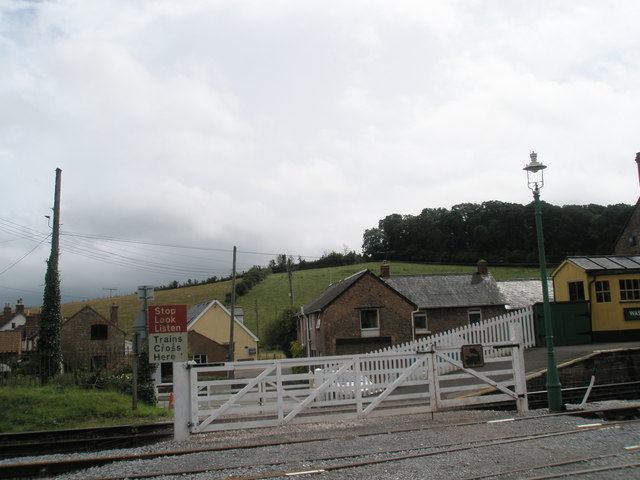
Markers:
<point>483,268</point>
<point>638,162</point>
<point>7,309</point>
<point>113,314</point>
<point>385,270</point>
<point>20,306</point>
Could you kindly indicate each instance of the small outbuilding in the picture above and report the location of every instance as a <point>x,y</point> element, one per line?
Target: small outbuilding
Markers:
<point>611,286</point>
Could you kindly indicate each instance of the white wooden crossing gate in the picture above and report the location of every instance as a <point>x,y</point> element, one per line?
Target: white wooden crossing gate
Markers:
<point>304,390</point>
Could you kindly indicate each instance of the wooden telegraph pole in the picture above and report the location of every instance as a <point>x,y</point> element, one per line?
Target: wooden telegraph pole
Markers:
<point>233,308</point>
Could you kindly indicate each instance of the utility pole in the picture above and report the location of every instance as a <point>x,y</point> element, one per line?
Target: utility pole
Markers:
<point>55,237</point>
<point>290,282</point>
<point>233,308</point>
<point>48,346</point>
<point>257,329</point>
<point>111,290</point>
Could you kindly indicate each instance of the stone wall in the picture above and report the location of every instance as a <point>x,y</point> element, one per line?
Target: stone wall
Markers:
<point>614,366</point>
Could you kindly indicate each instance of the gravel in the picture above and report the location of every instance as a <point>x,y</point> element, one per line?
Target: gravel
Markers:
<point>454,429</point>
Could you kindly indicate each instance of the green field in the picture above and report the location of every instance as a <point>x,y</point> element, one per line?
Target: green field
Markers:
<point>267,300</point>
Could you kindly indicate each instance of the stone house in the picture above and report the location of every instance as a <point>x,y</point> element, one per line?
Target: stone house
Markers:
<point>92,342</point>
<point>448,301</point>
<point>356,315</point>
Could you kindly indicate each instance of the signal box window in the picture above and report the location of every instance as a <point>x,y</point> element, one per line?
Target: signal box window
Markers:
<point>576,291</point>
<point>629,290</point>
<point>603,291</point>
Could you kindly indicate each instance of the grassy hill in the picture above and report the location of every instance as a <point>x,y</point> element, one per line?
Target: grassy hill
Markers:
<point>267,300</point>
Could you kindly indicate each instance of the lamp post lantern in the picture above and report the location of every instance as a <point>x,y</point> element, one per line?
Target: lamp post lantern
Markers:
<point>535,181</point>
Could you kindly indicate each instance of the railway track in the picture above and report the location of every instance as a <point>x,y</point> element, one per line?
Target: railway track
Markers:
<point>82,440</point>
<point>329,463</point>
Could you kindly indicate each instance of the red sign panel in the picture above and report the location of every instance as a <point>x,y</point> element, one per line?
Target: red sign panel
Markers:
<point>167,319</point>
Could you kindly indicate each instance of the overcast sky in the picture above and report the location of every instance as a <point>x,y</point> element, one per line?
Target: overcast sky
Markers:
<point>291,126</point>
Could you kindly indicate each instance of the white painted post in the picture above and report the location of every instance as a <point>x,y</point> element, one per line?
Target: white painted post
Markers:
<point>519,371</point>
<point>433,380</point>
<point>181,401</point>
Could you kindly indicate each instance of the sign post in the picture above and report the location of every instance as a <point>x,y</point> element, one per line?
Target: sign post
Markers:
<point>168,340</point>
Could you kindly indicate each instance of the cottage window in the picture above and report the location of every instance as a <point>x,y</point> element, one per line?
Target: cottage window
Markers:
<point>318,322</point>
<point>99,331</point>
<point>200,358</point>
<point>629,289</point>
<point>369,322</point>
<point>475,315</point>
<point>420,322</point>
<point>576,291</point>
<point>603,291</point>
<point>99,362</point>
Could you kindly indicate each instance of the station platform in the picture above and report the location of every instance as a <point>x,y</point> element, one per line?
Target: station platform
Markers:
<point>535,359</point>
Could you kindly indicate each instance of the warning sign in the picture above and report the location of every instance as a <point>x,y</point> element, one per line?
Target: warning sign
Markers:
<point>168,337</point>
<point>472,356</point>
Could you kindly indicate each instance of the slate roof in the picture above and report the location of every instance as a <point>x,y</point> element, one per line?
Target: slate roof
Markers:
<point>607,263</point>
<point>332,292</point>
<point>523,293</point>
<point>448,290</point>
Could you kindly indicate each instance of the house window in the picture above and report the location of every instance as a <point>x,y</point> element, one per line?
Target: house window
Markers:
<point>475,315</point>
<point>99,331</point>
<point>369,323</point>
<point>603,292</point>
<point>200,358</point>
<point>629,290</point>
<point>318,322</point>
<point>420,323</point>
<point>576,291</point>
<point>98,362</point>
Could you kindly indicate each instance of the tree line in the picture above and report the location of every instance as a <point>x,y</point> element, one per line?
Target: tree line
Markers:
<point>498,231</point>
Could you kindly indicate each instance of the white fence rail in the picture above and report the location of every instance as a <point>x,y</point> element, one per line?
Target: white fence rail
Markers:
<point>487,332</point>
<point>275,392</point>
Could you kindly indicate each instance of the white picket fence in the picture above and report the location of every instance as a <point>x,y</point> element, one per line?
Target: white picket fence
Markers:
<point>488,332</point>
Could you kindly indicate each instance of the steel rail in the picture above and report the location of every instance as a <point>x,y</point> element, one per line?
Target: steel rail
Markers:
<point>586,472</point>
<point>551,465</point>
<point>418,455</point>
<point>68,465</point>
<point>63,466</point>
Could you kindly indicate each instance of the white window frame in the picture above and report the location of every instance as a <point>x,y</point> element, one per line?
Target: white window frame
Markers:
<point>198,357</point>
<point>370,331</point>
<point>473,312</point>
<point>424,330</point>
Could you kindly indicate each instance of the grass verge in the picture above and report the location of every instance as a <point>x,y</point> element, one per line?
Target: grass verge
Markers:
<point>26,409</point>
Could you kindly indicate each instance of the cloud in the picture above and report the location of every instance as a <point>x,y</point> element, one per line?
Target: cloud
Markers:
<point>292,127</point>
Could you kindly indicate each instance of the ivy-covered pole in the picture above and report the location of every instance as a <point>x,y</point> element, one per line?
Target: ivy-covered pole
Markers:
<point>48,346</point>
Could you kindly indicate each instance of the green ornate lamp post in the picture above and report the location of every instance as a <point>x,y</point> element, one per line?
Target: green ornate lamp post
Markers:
<point>535,181</point>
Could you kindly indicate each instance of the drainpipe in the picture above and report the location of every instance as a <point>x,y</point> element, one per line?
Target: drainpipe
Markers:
<point>308,332</point>
<point>413,324</point>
